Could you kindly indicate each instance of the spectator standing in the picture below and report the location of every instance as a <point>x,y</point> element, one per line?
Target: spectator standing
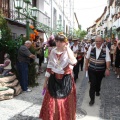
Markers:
<point>24,56</point>
<point>117,59</point>
<point>112,51</point>
<point>40,56</point>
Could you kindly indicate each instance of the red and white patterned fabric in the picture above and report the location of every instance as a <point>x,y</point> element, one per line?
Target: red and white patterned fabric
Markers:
<point>60,109</point>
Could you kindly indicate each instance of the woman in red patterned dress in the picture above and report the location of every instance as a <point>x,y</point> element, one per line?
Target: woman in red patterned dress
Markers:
<point>60,98</point>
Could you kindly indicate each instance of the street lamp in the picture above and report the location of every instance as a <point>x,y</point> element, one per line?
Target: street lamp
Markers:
<point>22,7</point>
<point>34,12</point>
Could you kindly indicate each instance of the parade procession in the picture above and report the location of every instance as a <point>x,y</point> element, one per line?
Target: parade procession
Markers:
<point>59,60</point>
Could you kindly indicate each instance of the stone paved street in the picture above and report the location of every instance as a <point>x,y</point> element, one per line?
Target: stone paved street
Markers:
<point>110,98</point>
<point>26,106</point>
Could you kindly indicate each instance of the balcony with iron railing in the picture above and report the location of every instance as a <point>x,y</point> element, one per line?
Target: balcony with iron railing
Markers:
<point>42,21</point>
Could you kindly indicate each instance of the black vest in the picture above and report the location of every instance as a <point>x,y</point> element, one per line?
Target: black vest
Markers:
<point>100,63</point>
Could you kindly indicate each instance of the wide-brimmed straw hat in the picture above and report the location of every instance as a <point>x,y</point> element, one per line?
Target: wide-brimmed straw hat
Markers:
<point>75,39</point>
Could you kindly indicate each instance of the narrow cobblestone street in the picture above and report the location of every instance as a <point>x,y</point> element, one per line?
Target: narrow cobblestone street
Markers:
<point>56,41</point>
<point>110,98</point>
<point>26,106</point>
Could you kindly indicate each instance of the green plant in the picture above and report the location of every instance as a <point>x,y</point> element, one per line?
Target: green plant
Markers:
<point>32,75</point>
<point>80,33</point>
<point>7,45</point>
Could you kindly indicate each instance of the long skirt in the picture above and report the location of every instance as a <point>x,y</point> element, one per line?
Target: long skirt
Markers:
<point>59,109</point>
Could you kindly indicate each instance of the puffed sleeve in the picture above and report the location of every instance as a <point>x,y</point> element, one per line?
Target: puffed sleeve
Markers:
<point>72,60</point>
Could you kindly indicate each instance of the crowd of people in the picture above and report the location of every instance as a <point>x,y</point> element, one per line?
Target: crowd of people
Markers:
<point>65,56</point>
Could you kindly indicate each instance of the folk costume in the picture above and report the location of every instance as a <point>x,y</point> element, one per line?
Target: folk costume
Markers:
<point>97,66</point>
<point>60,98</point>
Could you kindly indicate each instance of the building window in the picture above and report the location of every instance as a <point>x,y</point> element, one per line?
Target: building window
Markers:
<point>54,18</point>
<point>14,36</point>
<point>34,3</point>
<point>47,1</point>
<point>60,18</point>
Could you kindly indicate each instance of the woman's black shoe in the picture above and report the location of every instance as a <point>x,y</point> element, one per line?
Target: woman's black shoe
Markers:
<point>97,94</point>
<point>91,102</point>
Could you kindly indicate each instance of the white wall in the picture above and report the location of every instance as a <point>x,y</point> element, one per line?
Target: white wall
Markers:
<point>16,29</point>
<point>47,8</point>
<point>20,30</point>
<point>49,11</point>
<point>40,5</point>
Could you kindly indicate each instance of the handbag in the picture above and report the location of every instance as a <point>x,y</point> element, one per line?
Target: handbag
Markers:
<point>59,88</point>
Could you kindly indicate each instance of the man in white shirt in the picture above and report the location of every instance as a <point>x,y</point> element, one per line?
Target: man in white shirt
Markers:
<point>97,63</point>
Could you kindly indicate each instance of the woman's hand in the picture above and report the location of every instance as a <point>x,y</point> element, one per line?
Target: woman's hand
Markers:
<point>66,46</point>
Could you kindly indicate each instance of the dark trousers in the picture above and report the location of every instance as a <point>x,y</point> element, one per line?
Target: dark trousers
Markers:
<point>111,55</point>
<point>81,63</point>
<point>95,78</point>
<point>76,71</point>
<point>4,71</point>
<point>22,68</point>
<point>1,69</point>
<point>41,59</point>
